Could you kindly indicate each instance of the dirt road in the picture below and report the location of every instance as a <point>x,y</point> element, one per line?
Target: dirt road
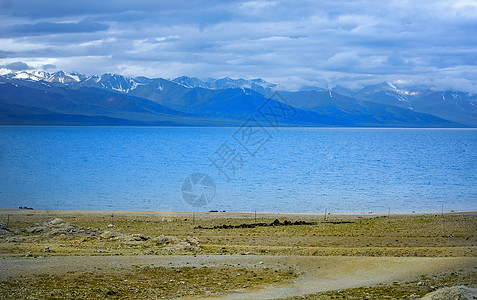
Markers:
<point>316,273</point>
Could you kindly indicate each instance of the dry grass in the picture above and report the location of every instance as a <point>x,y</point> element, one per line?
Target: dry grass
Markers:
<point>422,235</point>
<point>140,283</point>
<point>426,235</point>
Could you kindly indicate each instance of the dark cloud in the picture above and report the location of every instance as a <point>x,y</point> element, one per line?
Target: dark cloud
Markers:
<point>47,67</point>
<point>291,42</point>
<point>17,66</point>
<point>42,28</point>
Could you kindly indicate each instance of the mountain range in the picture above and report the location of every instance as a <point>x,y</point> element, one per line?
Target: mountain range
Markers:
<point>40,98</point>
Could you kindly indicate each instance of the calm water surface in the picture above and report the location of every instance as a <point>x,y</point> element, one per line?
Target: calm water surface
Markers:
<point>285,170</point>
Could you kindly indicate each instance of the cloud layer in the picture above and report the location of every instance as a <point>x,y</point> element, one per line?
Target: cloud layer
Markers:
<point>293,43</point>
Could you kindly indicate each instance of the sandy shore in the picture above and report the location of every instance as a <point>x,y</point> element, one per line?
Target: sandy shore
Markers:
<point>223,214</point>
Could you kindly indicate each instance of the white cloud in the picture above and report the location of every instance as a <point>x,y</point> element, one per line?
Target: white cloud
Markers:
<point>292,42</point>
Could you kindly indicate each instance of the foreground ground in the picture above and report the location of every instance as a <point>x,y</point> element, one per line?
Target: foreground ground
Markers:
<point>89,254</point>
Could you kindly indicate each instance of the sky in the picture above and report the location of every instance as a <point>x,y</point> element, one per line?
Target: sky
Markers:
<point>292,43</point>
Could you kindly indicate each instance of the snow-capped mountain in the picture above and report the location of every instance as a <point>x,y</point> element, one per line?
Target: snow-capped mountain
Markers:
<point>111,82</point>
<point>114,82</point>
<point>227,99</point>
<point>387,93</point>
<point>33,75</point>
<point>455,106</point>
<point>27,74</point>
<point>65,78</point>
<point>259,85</point>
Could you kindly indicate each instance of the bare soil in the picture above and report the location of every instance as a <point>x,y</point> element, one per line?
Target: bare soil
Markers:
<point>89,254</point>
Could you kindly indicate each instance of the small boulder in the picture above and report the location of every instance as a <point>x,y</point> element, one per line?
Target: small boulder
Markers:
<point>456,292</point>
<point>4,230</point>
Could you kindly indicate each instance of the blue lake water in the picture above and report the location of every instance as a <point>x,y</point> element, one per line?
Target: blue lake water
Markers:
<point>285,170</point>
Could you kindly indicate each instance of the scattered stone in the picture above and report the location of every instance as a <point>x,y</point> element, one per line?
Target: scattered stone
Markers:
<point>164,240</point>
<point>138,237</point>
<point>107,235</point>
<point>193,241</point>
<point>57,227</point>
<point>172,244</point>
<point>3,226</point>
<point>456,292</point>
<point>111,226</point>
<point>4,230</point>
<point>28,254</point>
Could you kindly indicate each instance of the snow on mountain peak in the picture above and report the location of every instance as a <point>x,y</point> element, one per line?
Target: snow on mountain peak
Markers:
<point>392,85</point>
<point>62,77</point>
<point>4,71</point>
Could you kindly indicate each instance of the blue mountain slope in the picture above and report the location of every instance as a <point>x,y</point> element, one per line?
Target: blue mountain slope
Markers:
<point>144,101</point>
<point>27,101</point>
<point>454,106</point>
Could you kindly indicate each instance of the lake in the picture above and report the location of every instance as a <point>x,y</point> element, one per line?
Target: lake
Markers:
<point>247,169</point>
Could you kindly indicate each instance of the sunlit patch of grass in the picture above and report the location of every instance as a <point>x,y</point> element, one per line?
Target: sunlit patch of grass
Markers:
<point>419,235</point>
<point>142,282</point>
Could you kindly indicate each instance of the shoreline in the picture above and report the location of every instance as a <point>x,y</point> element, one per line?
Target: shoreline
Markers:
<point>13,211</point>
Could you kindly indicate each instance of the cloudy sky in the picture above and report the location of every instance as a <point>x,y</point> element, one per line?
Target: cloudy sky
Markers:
<point>293,43</point>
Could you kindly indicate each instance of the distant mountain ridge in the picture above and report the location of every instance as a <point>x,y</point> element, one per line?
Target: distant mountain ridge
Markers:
<point>451,105</point>
<point>259,85</point>
<point>37,97</point>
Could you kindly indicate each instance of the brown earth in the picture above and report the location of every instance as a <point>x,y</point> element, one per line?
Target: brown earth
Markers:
<point>296,255</point>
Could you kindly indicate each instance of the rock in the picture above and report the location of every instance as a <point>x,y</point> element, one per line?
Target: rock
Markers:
<point>47,249</point>
<point>172,244</point>
<point>138,237</point>
<point>193,241</point>
<point>456,292</point>
<point>111,226</point>
<point>4,230</point>
<point>164,240</point>
<point>28,254</point>
<point>107,235</point>
<point>4,226</point>
<point>57,227</point>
